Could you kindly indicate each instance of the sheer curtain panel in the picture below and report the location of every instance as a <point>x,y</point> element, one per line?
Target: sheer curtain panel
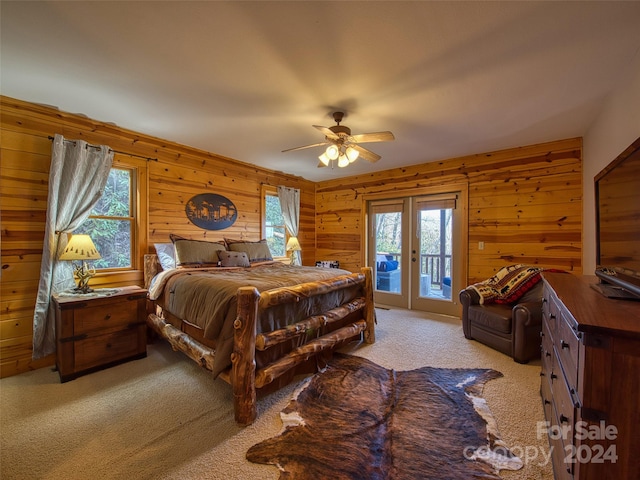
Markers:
<point>290,205</point>
<point>77,178</point>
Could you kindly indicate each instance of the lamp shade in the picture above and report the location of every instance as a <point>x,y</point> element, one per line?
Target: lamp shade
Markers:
<point>332,152</point>
<point>293,244</point>
<point>352,154</point>
<point>324,159</point>
<point>80,247</point>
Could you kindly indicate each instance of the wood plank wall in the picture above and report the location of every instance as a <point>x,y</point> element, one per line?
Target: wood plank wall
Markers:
<point>525,204</point>
<point>179,173</point>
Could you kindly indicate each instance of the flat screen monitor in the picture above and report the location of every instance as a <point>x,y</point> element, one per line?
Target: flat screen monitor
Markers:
<point>617,191</point>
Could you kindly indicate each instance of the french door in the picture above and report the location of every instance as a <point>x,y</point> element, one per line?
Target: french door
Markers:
<point>414,247</point>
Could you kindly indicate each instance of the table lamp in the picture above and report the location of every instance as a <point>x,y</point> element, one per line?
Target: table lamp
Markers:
<point>293,245</point>
<point>81,247</point>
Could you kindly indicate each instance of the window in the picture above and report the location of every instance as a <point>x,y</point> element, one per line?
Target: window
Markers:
<point>273,223</point>
<point>112,222</point>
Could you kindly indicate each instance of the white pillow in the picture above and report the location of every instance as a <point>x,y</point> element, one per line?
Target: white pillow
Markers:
<point>166,255</point>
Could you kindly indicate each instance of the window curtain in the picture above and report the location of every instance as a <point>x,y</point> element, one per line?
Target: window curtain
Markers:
<point>77,177</point>
<point>290,205</point>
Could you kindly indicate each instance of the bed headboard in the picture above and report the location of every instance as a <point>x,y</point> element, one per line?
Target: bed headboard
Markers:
<point>151,268</point>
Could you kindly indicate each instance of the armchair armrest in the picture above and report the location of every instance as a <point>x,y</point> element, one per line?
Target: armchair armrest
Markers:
<point>526,328</point>
<point>468,297</point>
<point>527,314</point>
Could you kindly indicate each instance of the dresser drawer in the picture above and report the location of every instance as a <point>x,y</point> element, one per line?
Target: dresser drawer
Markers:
<point>549,311</point>
<point>561,469</point>
<point>546,349</point>
<point>567,346</point>
<point>547,398</point>
<point>563,401</point>
<point>564,415</point>
<point>104,349</point>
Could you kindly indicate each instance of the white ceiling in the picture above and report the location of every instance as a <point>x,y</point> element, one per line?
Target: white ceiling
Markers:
<point>249,79</point>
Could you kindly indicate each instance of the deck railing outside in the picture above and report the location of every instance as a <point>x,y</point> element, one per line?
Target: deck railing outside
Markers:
<point>437,266</point>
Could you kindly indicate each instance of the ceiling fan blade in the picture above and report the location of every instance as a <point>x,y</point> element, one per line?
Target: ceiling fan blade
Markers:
<point>321,165</point>
<point>326,131</point>
<point>305,146</point>
<point>373,137</point>
<point>368,155</point>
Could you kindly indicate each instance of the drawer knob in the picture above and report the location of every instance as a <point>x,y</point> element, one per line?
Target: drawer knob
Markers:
<point>107,317</point>
<point>547,402</point>
<point>553,376</point>
<point>563,419</point>
<point>564,344</point>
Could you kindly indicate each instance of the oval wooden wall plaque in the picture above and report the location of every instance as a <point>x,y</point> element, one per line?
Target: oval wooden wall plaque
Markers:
<point>211,211</point>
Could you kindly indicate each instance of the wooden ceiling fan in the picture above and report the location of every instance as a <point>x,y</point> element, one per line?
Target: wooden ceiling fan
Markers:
<point>343,147</point>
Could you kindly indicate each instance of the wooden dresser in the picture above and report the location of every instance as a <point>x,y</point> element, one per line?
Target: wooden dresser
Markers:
<point>590,380</point>
<point>96,331</point>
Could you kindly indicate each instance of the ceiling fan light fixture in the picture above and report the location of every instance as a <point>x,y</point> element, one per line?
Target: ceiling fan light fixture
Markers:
<point>352,154</point>
<point>343,148</point>
<point>332,152</point>
<point>324,159</point>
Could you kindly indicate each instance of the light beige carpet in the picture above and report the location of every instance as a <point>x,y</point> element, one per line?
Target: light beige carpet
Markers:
<point>165,418</point>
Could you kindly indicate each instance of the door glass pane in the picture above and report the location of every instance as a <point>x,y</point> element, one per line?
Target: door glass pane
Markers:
<point>388,247</point>
<point>435,239</point>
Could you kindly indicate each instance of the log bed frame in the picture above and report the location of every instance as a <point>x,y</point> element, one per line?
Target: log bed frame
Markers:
<point>358,316</point>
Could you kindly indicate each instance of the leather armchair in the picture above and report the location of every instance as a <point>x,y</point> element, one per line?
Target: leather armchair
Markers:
<point>511,329</point>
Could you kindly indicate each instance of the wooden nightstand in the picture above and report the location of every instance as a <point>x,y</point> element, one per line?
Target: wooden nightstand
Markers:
<point>99,330</point>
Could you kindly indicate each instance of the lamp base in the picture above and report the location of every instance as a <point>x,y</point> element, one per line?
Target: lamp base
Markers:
<point>83,289</point>
<point>83,273</point>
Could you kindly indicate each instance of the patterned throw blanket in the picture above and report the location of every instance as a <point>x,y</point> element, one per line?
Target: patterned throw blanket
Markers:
<point>509,284</point>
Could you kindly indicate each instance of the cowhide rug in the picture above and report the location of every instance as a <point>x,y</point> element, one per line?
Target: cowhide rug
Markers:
<point>358,420</point>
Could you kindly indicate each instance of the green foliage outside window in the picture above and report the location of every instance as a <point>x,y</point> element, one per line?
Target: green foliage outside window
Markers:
<point>110,224</point>
<point>275,231</point>
<point>389,232</point>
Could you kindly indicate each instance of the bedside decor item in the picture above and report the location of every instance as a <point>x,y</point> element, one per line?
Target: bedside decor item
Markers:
<point>81,247</point>
<point>211,211</point>
<point>293,245</point>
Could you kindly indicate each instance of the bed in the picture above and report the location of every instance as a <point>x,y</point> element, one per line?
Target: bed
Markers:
<point>252,321</point>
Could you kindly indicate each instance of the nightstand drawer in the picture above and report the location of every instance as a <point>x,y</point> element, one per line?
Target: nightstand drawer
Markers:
<point>115,315</point>
<point>104,349</point>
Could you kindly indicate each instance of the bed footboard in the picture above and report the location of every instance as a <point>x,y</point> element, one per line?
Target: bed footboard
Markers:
<point>244,377</point>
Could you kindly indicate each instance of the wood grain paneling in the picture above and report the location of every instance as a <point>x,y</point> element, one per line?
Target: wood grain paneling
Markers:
<point>524,203</point>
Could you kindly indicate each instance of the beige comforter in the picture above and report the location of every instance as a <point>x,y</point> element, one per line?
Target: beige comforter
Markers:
<point>207,298</point>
